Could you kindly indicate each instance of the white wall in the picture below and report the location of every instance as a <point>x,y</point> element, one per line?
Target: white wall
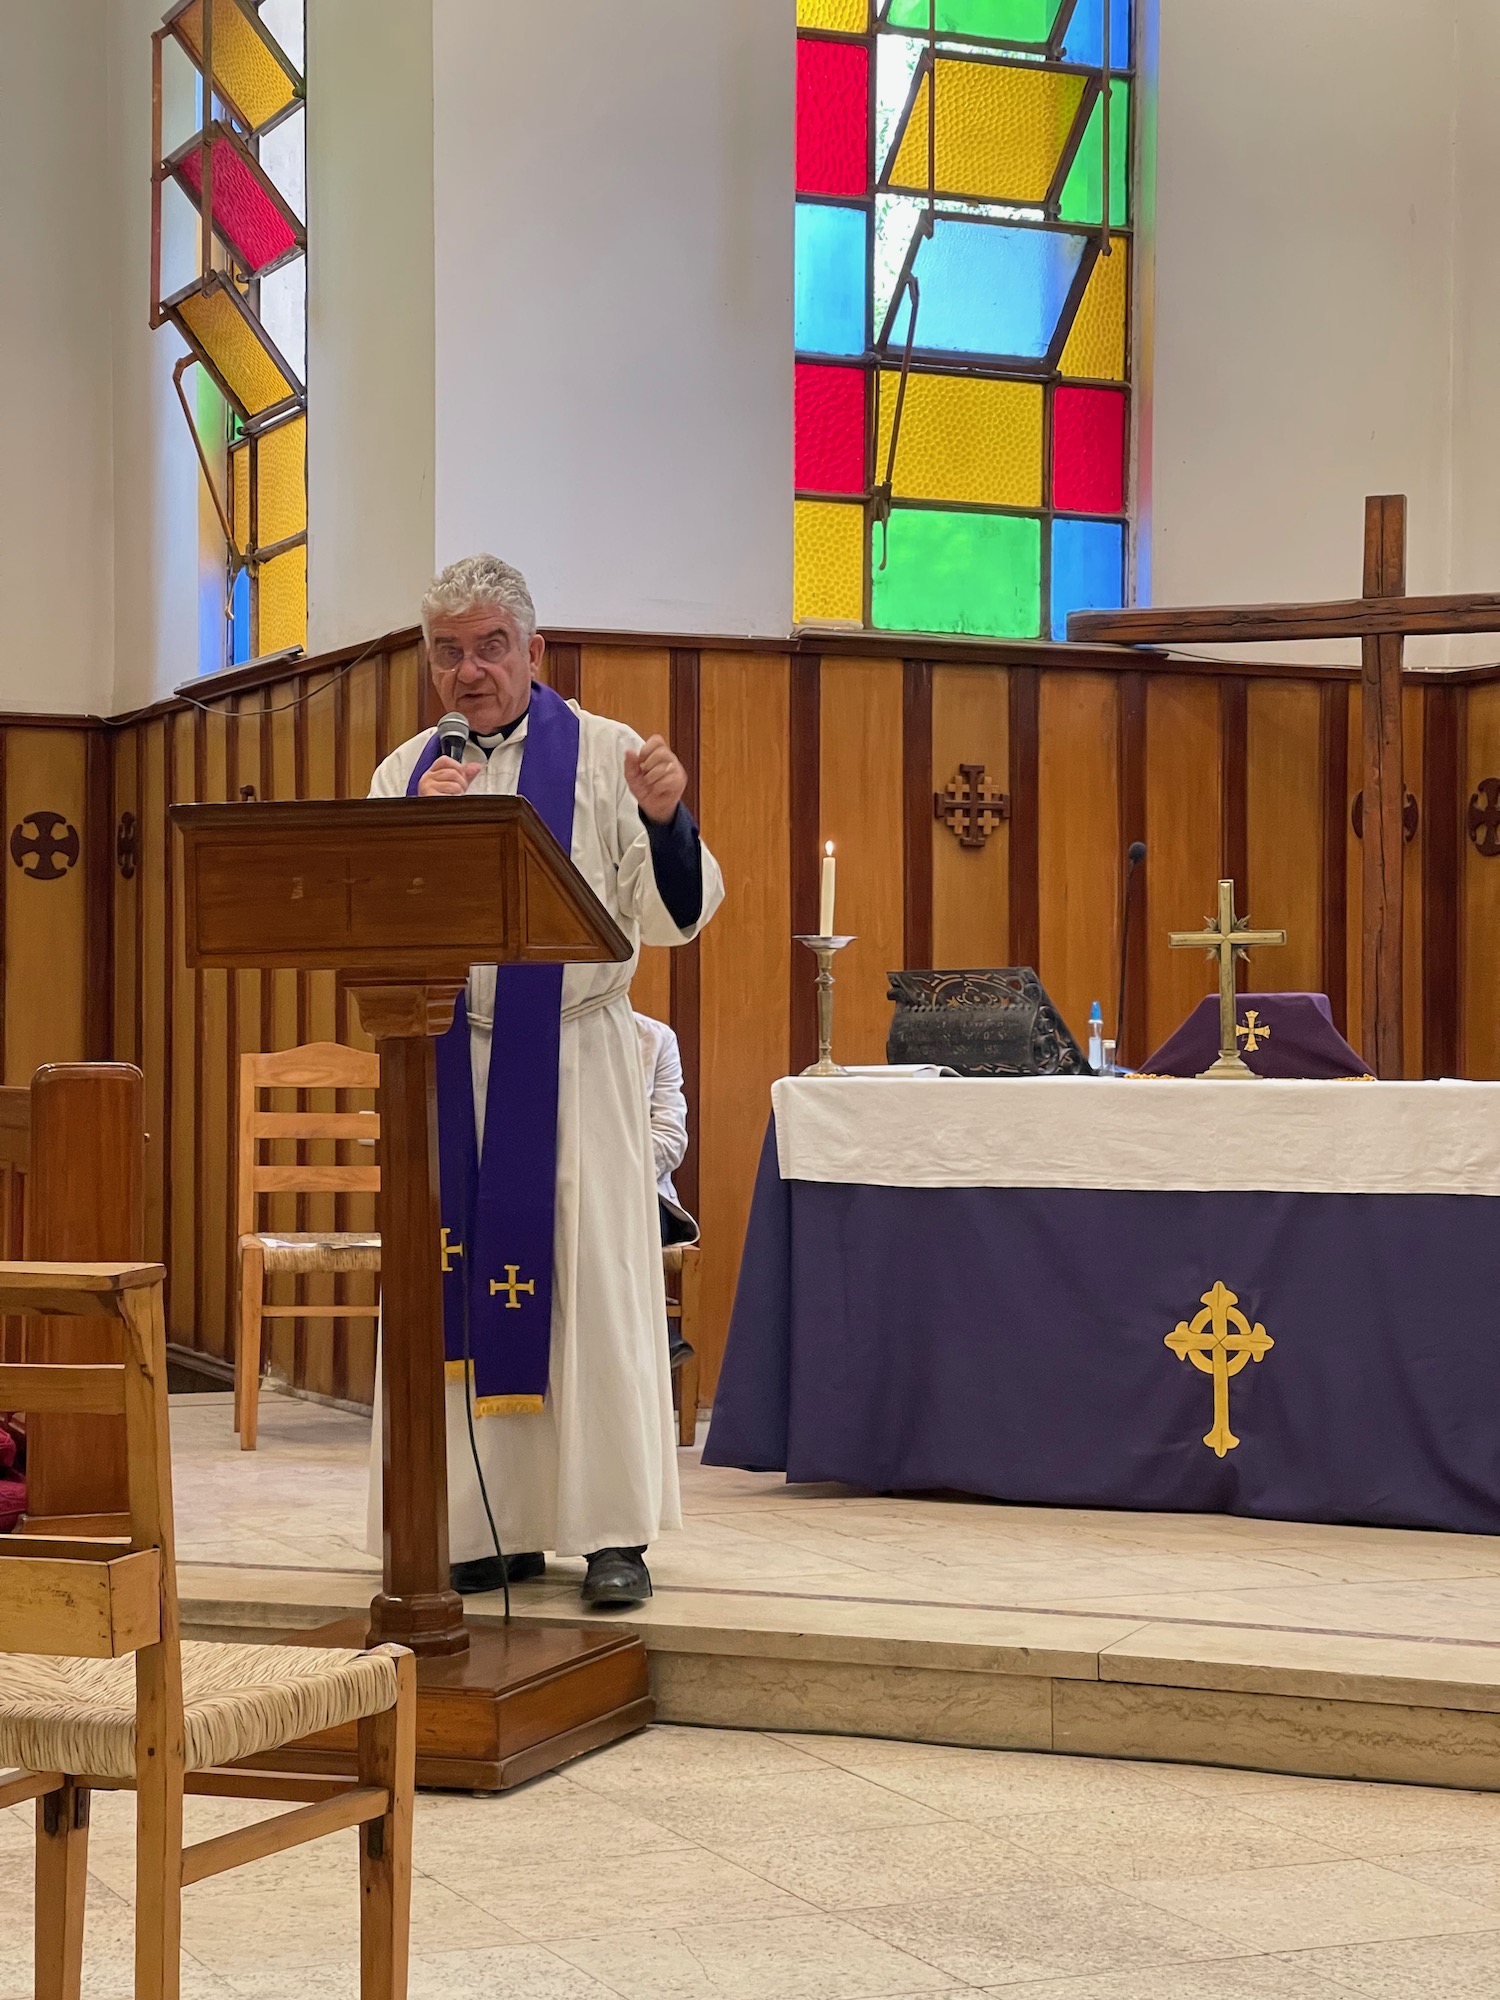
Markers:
<point>1305,332</point>
<point>370,317</point>
<point>614,338</point>
<point>1476,382</point>
<point>56,551</point>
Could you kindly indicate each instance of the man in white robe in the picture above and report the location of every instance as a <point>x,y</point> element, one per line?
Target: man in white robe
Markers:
<point>594,1473</point>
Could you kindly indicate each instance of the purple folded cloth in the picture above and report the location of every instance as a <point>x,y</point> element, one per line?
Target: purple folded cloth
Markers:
<point>1280,1034</point>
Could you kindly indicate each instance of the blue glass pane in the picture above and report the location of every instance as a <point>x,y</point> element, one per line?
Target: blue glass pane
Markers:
<point>1084,41</point>
<point>239,612</point>
<point>988,288</point>
<point>829,290</point>
<point>1088,569</point>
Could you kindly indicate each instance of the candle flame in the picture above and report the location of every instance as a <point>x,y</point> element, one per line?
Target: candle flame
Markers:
<point>828,847</point>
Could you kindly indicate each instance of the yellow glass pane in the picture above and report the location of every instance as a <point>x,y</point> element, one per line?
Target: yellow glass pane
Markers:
<point>281,618</point>
<point>1095,348</point>
<point>227,338</point>
<point>283,482</point>
<point>245,71</point>
<point>1000,132</point>
<point>848,17</point>
<point>964,439</point>
<point>828,576</point>
<point>239,494</point>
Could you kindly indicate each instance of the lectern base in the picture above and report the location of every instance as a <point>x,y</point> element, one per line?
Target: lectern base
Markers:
<point>523,1699</point>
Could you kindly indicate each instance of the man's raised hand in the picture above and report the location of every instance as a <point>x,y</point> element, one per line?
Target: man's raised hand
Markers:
<point>656,779</point>
<point>445,778</point>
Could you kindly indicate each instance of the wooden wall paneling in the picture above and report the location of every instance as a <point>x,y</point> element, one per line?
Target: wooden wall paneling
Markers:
<point>1078,842</point>
<point>1479,966</point>
<point>1333,753</point>
<point>215,1101</point>
<point>562,668</point>
<point>1132,1040</point>
<point>184,1063</point>
<point>860,783</point>
<point>803,777</point>
<point>916,813</point>
<point>685,987</point>
<point>970,885</point>
<point>1234,789</point>
<point>151,932</point>
<point>1023,833</point>
<point>745,797</point>
<point>46,898</point>
<point>320,732</point>
<point>361,753</point>
<point>287,1337</point>
<point>1184,821</point>
<point>1354,884</point>
<point>125,757</point>
<point>634,685</point>
<point>1443,839</point>
<point>1413,733</point>
<point>99,865</point>
<point>1284,835</point>
<point>407,684</point>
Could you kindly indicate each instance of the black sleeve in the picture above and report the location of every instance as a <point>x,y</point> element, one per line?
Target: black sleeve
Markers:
<point>677,863</point>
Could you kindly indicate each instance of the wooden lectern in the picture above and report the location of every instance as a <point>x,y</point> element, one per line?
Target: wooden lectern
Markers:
<point>400,898</point>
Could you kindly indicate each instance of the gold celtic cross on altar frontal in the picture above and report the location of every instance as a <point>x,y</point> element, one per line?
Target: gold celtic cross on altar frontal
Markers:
<point>1227,941</point>
<point>1219,1341</point>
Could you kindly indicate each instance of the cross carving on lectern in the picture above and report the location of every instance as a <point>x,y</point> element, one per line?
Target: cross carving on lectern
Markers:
<point>509,1284</point>
<point>969,807</point>
<point>1209,1344</point>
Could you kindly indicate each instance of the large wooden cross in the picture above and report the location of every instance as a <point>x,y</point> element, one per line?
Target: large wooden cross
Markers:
<point>1381,620</point>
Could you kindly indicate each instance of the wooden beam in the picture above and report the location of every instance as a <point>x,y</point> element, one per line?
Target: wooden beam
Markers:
<point>1389,614</point>
<point>1384,786</point>
<point>274,1836</point>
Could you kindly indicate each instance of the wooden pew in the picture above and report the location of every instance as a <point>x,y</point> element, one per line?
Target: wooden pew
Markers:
<point>73,1163</point>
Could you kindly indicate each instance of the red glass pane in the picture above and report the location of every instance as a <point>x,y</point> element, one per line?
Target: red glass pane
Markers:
<point>1088,451</point>
<point>244,214</point>
<point>830,429</point>
<point>833,117</point>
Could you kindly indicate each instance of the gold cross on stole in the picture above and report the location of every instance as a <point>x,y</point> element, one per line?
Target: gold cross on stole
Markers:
<point>1227,940</point>
<point>513,1303</point>
<point>1209,1344</point>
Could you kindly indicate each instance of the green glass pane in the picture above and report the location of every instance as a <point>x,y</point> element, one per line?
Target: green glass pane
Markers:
<point>979,573</point>
<point>1083,191</point>
<point>990,20</point>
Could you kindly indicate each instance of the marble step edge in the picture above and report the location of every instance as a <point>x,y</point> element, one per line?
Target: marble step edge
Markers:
<point>1350,1667</point>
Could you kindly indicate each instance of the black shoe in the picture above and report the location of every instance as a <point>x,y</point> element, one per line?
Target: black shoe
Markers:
<point>617,1577</point>
<point>473,1579</point>
<point>678,1350</point>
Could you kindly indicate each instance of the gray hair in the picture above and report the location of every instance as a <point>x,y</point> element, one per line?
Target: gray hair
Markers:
<point>475,584</point>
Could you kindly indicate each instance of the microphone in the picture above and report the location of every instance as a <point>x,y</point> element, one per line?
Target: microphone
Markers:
<point>453,735</point>
<point>1135,854</point>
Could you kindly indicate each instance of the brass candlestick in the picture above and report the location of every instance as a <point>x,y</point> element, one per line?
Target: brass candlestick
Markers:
<point>822,949</point>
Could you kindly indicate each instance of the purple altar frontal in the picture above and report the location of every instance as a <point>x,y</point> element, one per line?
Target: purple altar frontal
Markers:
<point>1128,1294</point>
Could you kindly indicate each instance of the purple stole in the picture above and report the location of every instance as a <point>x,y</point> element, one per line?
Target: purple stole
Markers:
<point>498,1209</point>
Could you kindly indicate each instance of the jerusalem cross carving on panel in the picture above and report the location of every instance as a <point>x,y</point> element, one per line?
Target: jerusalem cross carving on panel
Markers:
<point>968,806</point>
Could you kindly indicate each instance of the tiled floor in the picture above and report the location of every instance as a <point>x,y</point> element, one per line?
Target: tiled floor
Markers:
<point>712,1865</point>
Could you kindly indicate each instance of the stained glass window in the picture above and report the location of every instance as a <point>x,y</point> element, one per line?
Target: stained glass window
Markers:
<point>962,312</point>
<point>239,303</point>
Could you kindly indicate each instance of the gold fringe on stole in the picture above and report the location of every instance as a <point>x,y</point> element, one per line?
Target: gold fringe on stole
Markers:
<point>496,1406</point>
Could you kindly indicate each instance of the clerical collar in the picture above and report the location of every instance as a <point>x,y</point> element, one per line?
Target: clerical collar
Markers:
<point>495,737</point>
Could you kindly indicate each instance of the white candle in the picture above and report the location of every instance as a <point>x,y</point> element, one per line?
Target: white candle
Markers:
<point>825,910</point>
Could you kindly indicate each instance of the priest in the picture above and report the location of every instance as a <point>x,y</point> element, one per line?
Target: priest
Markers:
<point>559,1400</point>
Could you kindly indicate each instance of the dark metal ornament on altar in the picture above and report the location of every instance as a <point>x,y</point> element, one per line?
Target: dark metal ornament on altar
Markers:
<point>994,1021</point>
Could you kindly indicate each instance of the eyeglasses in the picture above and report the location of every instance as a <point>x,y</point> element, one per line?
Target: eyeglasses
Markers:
<point>490,651</point>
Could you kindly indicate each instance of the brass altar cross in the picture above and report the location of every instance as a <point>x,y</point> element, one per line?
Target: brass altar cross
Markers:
<point>1209,1344</point>
<point>513,1303</point>
<point>1227,940</point>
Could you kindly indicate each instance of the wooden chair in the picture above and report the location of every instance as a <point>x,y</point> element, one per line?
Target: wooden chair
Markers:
<point>680,1261</point>
<point>317,1066</point>
<point>75,1719</point>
